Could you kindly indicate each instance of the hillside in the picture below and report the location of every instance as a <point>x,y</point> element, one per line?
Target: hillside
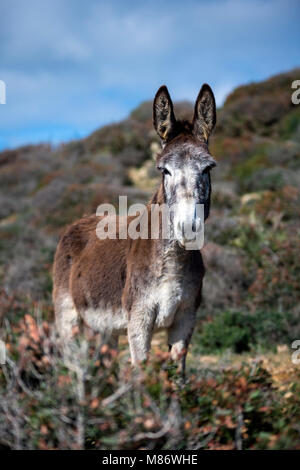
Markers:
<point>251,298</point>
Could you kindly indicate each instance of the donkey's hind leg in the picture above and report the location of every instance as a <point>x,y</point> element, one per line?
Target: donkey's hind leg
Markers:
<point>66,317</point>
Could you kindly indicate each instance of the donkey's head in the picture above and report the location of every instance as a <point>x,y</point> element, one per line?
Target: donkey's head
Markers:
<point>185,161</point>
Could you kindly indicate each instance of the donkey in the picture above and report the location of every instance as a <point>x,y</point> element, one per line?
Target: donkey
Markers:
<point>139,286</point>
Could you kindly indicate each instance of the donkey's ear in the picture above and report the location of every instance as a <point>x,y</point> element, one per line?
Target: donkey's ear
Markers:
<point>163,114</point>
<point>205,113</point>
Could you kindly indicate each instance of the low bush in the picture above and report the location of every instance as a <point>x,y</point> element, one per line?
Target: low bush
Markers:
<point>97,401</point>
<point>241,330</point>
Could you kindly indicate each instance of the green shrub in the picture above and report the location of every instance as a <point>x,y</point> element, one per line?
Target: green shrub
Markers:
<point>241,331</point>
<point>290,125</point>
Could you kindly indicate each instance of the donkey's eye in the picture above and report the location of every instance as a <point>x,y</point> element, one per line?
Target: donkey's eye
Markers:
<point>163,170</point>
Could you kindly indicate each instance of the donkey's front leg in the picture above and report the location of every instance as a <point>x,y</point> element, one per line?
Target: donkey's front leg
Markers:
<point>179,336</point>
<point>140,330</point>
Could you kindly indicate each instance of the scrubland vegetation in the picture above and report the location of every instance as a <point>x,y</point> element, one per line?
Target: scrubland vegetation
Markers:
<point>243,389</point>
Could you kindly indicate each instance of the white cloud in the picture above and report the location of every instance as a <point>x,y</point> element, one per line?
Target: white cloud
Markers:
<point>81,64</point>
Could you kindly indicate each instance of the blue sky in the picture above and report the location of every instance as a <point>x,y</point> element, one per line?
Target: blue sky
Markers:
<point>71,66</point>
